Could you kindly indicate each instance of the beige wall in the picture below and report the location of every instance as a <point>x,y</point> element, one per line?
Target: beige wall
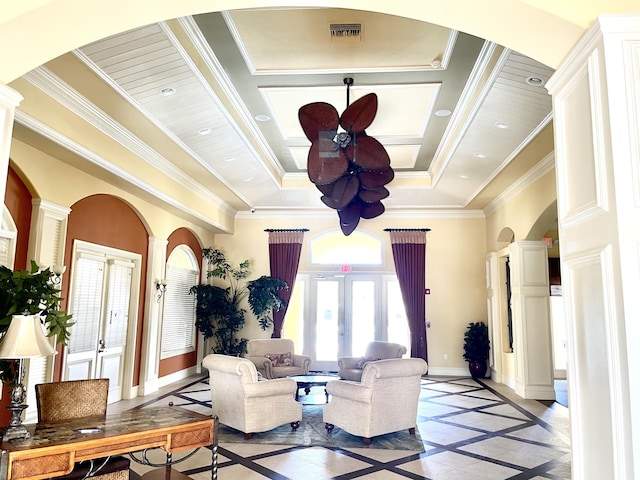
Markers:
<point>62,184</point>
<point>455,270</point>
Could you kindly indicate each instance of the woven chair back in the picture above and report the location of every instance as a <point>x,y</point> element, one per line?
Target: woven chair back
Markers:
<point>60,401</point>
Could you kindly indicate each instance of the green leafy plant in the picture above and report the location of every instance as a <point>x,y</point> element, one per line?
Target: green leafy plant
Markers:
<point>31,292</point>
<point>218,310</point>
<point>476,342</point>
<point>264,299</point>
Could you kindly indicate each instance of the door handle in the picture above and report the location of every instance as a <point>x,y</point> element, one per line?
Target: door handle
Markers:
<point>101,346</point>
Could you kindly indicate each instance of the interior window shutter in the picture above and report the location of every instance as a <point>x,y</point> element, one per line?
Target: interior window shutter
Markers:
<point>87,298</point>
<point>118,296</point>
<point>178,326</point>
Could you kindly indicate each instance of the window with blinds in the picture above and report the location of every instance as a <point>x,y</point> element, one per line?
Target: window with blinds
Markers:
<point>179,316</point>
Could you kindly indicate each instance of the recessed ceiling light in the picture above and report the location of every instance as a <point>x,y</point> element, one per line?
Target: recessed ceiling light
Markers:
<point>247,179</point>
<point>463,176</point>
<point>443,113</point>
<point>204,131</point>
<point>168,91</point>
<point>229,159</point>
<point>263,118</point>
<point>501,125</point>
<point>534,81</point>
<point>480,155</point>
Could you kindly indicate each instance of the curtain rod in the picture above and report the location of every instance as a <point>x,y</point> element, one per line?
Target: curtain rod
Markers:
<point>407,229</point>
<point>269,230</point>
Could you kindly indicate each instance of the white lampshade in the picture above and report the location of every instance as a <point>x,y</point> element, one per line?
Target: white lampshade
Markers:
<point>25,338</point>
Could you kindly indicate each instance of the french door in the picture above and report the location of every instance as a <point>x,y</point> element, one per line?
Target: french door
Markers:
<point>345,313</point>
<point>102,285</point>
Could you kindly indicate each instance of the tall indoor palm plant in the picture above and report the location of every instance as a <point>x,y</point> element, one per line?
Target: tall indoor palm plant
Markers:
<point>219,314</point>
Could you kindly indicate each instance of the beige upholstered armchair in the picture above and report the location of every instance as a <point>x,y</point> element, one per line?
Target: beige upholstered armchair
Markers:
<point>350,368</point>
<point>385,401</point>
<point>242,402</point>
<point>275,358</point>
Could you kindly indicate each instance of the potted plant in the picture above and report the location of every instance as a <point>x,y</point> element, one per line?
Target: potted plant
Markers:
<point>28,292</point>
<point>218,310</point>
<point>476,348</point>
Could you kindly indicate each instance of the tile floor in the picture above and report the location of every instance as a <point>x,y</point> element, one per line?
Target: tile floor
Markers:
<point>471,430</point>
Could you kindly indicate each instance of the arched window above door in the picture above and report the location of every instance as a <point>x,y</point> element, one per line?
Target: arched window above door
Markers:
<point>334,248</point>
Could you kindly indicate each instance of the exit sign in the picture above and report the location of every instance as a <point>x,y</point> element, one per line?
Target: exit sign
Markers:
<point>345,268</point>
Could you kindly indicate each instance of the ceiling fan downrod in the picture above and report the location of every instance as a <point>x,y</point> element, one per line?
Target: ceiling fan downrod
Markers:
<point>348,81</point>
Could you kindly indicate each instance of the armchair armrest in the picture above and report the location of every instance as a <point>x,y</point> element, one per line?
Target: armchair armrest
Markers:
<point>269,388</point>
<point>302,361</point>
<point>350,390</point>
<point>345,363</point>
<point>263,365</point>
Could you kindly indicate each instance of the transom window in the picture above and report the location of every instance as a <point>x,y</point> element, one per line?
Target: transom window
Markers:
<point>334,248</point>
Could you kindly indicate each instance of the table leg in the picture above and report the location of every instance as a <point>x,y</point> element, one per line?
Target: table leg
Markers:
<point>214,449</point>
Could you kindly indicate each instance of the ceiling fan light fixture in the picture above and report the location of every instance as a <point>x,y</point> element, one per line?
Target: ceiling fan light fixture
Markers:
<point>348,167</point>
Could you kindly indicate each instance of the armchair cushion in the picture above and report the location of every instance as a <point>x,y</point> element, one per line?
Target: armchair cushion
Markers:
<point>280,359</point>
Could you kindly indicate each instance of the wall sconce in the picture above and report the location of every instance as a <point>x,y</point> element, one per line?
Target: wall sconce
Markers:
<point>58,271</point>
<point>161,286</point>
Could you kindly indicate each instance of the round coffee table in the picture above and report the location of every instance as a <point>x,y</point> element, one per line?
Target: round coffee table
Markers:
<point>308,381</point>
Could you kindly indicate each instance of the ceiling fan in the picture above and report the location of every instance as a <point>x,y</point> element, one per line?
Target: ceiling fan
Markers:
<point>349,167</point>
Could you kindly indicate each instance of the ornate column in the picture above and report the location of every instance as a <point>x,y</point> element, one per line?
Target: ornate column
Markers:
<point>596,102</point>
<point>152,338</point>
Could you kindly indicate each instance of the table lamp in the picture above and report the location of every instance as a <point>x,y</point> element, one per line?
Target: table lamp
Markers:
<point>23,339</point>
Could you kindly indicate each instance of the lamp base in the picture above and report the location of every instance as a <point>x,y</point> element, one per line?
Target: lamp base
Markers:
<point>15,428</point>
<point>14,432</point>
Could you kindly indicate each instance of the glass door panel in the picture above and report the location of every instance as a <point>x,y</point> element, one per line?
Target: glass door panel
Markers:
<point>363,315</point>
<point>328,332</point>
<point>397,325</point>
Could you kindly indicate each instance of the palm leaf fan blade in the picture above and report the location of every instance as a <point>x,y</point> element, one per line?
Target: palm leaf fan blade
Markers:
<point>350,217</point>
<point>372,179</point>
<point>360,114</point>
<point>371,210</point>
<point>373,195</point>
<point>370,154</point>
<point>325,167</point>
<point>316,118</point>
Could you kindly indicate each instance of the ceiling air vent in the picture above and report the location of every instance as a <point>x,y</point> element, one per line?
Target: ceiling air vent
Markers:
<point>346,30</point>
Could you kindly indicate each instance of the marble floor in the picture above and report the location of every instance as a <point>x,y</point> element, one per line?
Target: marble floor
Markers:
<point>471,430</point>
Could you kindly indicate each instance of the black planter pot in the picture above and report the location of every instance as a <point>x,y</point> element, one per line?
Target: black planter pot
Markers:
<point>478,369</point>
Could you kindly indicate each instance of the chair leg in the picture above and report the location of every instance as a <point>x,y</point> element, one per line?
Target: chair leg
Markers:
<point>412,431</point>
<point>329,427</point>
<point>294,426</point>
<point>248,436</point>
<point>366,440</point>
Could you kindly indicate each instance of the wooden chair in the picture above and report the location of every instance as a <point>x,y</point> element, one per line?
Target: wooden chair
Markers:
<point>61,401</point>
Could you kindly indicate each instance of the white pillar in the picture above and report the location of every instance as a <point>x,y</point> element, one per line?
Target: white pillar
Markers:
<point>596,101</point>
<point>532,345</point>
<point>151,341</point>
<point>48,233</point>
<point>9,100</point>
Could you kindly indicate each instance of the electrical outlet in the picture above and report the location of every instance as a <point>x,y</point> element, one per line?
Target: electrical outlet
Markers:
<point>446,356</point>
